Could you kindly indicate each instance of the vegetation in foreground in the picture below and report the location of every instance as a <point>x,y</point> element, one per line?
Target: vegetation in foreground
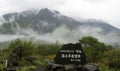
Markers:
<point>33,55</point>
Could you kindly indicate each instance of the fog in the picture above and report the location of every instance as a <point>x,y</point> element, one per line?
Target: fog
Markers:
<point>63,34</point>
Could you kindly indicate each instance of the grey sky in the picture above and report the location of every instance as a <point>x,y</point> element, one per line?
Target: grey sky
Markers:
<point>106,10</point>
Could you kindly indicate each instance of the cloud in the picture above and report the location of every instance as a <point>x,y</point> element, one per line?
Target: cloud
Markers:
<point>34,3</point>
<point>21,5</point>
<point>106,10</point>
<point>63,34</point>
<point>96,0</point>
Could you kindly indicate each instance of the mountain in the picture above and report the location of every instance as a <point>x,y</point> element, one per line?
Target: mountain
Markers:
<point>52,23</point>
<point>44,21</point>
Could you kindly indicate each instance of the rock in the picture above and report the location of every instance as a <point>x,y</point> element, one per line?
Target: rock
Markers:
<point>90,67</point>
<point>15,56</point>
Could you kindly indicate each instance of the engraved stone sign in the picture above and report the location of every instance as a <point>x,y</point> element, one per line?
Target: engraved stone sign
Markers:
<point>71,54</point>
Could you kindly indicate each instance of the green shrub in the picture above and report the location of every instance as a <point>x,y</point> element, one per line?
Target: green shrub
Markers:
<point>26,68</point>
<point>28,50</point>
<point>2,67</point>
<point>37,62</point>
<point>114,58</point>
<point>94,49</point>
<point>49,49</point>
<point>29,46</point>
<point>106,68</point>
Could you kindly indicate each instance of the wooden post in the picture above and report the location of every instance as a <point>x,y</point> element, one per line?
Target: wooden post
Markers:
<point>6,62</point>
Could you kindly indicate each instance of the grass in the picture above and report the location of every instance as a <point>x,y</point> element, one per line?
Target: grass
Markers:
<point>106,68</point>
<point>40,54</point>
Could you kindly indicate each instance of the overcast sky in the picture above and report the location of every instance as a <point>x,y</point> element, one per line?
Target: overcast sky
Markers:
<point>106,10</point>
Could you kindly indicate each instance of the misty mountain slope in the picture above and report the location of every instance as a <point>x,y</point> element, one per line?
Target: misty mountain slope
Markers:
<point>50,25</point>
<point>45,21</point>
<point>105,26</point>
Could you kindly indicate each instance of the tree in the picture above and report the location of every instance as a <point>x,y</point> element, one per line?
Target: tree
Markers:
<point>48,49</point>
<point>114,58</point>
<point>93,49</point>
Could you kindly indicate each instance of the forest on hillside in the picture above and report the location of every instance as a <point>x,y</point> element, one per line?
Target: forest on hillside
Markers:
<point>107,57</point>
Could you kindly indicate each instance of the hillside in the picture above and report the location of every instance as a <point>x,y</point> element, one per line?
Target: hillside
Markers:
<point>49,23</point>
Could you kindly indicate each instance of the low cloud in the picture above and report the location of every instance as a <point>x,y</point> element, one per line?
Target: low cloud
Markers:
<point>63,34</point>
